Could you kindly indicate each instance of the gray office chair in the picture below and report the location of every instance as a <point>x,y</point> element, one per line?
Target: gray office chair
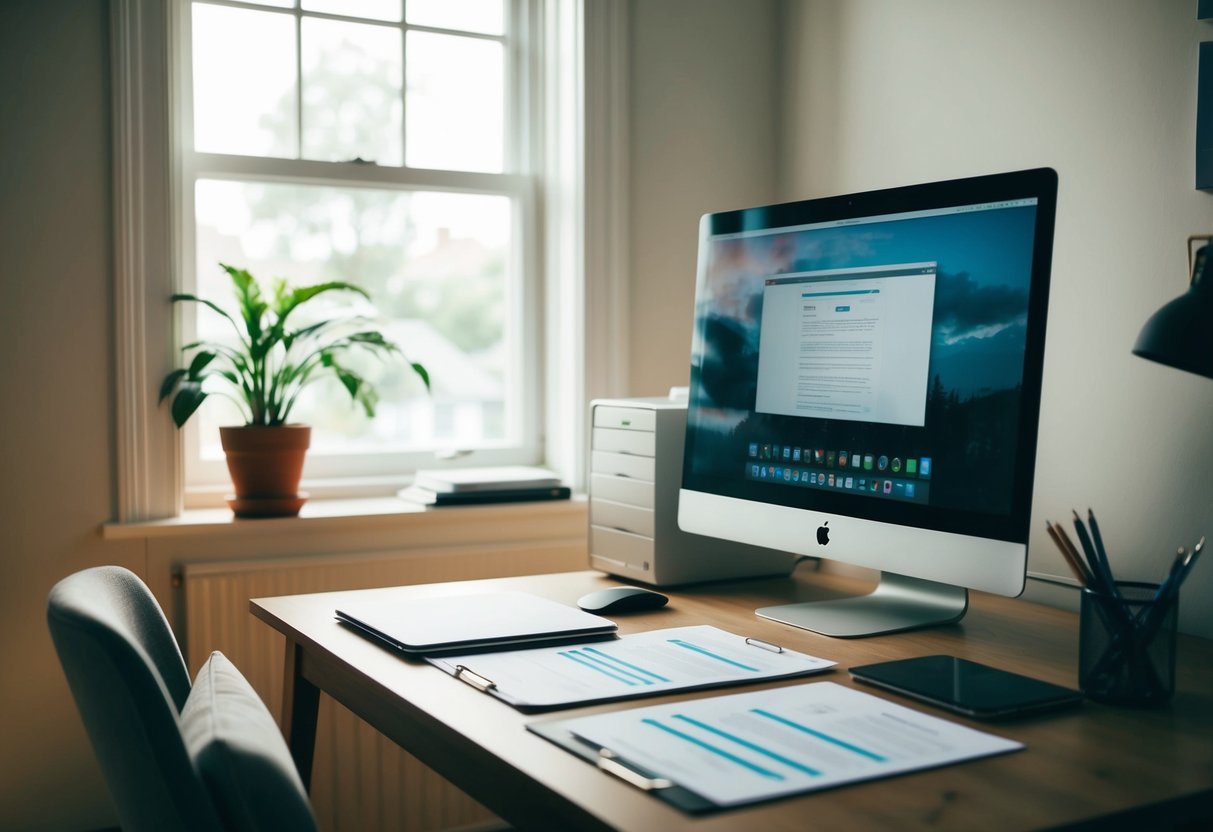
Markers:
<point>174,757</point>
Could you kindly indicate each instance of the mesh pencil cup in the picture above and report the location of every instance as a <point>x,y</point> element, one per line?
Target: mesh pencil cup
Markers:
<point>1126,645</point>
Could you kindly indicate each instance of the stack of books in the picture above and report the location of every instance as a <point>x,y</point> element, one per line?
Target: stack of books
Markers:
<point>473,486</point>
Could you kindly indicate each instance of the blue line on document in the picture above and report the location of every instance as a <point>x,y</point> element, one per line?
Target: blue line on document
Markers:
<point>606,665</point>
<point>772,775</point>
<point>572,654</point>
<point>628,665</point>
<point>679,642</point>
<point>863,752</point>
<point>787,761</point>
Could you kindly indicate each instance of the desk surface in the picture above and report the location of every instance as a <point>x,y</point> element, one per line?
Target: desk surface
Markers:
<point>1079,765</point>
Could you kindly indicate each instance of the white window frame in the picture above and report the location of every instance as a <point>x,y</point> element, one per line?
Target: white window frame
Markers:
<point>582,240</point>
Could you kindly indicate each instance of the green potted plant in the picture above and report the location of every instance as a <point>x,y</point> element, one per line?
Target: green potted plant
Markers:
<point>264,372</point>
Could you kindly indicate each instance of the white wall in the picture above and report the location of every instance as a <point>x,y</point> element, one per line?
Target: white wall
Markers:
<point>56,423</point>
<point>704,98</point>
<point>881,93</point>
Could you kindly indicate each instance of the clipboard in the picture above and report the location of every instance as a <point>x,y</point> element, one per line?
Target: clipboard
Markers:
<point>467,623</point>
<point>651,663</point>
<point>739,749</point>
<point>608,761</point>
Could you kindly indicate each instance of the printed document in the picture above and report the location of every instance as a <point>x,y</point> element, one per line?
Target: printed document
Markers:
<point>642,664</point>
<point>745,747</point>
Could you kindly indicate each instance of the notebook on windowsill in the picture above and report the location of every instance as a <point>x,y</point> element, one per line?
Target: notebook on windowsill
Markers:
<point>426,497</point>
<point>469,480</point>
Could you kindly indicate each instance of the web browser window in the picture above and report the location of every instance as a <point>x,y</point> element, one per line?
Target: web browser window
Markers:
<point>848,344</point>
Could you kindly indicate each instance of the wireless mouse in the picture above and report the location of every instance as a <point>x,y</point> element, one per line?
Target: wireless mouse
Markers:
<point>618,599</point>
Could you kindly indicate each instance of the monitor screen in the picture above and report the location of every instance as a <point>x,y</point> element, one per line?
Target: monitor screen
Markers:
<point>875,357</point>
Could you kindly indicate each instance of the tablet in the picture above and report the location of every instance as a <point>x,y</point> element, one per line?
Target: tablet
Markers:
<point>967,687</point>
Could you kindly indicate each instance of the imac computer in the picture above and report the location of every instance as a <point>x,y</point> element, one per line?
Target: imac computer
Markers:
<point>865,387</point>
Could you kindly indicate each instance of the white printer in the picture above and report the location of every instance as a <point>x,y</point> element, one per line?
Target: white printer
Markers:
<point>635,472</point>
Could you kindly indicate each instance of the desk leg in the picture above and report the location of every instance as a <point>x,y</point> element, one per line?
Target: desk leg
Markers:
<point>300,704</point>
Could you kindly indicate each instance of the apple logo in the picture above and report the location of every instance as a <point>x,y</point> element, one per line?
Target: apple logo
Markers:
<point>823,533</point>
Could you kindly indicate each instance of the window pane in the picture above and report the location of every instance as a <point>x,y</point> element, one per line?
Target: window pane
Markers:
<point>351,92</point>
<point>244,81</point>
<point>484,16</point>
<point>437,267</point>
<point>373,9</point>
<point>455,103</point>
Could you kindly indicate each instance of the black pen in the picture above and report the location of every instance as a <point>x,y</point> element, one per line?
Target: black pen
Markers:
<point>1097,538</point>
<point>1099,568</point>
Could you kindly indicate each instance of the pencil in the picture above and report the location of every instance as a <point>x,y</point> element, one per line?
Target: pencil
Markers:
<point>1073,552</point>
<point>1076,567</point>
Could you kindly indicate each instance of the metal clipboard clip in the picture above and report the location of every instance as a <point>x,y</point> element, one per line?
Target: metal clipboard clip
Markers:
<point>765,645</point>
<point>633,775</point>
<point>480,683</point>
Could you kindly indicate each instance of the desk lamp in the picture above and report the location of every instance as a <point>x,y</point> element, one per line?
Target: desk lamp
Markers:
<point>1180,334</point>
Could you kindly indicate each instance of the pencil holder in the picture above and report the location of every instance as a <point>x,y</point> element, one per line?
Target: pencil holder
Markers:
<point>1126,645</point>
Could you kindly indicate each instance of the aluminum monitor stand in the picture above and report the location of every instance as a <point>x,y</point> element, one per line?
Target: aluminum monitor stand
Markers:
<point>897,603</point>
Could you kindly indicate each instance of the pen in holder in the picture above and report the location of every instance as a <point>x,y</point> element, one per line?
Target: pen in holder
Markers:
<point>1126,637</point>
<point>1126,644</point>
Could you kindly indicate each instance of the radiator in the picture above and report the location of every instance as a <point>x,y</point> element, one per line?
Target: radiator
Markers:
<point>360,780</point>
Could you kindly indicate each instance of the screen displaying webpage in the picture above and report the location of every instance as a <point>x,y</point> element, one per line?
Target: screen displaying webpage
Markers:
<point>847,344</point>
<point>879,357</point>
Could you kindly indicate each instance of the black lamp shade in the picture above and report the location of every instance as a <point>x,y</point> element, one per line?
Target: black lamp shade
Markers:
<point>1180,334</point>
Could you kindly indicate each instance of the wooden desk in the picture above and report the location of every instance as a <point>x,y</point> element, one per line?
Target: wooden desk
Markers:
<point>1146,767</point>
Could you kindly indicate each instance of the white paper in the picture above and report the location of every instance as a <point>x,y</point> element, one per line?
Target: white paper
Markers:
<point>848,344</point>
<point>752,746</point>
<point>635,665</point>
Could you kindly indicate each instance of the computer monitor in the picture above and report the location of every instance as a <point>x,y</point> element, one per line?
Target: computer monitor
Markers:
<point>865,387</point>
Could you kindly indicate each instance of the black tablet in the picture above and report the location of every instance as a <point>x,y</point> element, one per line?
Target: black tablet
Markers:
<point>966,687</point>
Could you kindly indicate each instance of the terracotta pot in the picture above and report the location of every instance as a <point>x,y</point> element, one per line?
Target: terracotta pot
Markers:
<point>266,464</point>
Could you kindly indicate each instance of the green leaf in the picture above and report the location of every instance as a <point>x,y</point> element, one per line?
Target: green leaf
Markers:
<point>422,373</point>
<point>252,307</point>
<point>217,347</point>
<point>199,364</point>
<point>289,338</point>
<point>360,391</point>
<point>373,340</point>
<point>351,381</point>
<point>286,303</point>
<point>188,397</point>
<point>368,398</point>
<point>170,381</point>
<point>181,296</point>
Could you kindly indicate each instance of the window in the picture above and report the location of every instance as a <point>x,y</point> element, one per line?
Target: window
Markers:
<point>564,104</point>
<point>385,143</point>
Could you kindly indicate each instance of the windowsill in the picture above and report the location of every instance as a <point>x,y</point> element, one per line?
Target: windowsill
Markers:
<point>347,490</point>
<point>381,513</point>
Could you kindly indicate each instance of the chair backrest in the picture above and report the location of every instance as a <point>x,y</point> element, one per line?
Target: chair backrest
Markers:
<point>130,683</point>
